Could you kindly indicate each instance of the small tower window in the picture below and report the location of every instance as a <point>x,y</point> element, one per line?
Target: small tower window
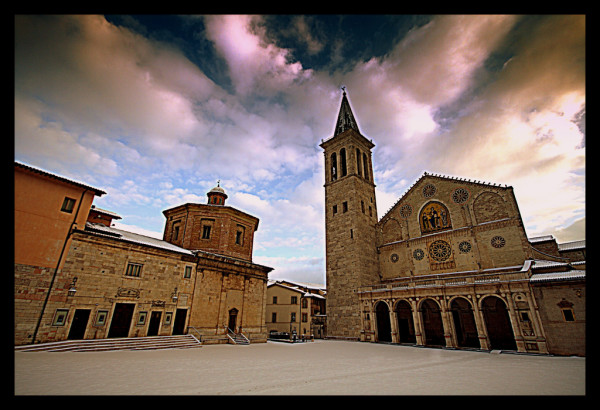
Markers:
<point>358,170</point>
<point>366,166</point>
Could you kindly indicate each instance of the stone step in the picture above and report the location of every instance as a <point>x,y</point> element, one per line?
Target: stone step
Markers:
<point>133,343</point>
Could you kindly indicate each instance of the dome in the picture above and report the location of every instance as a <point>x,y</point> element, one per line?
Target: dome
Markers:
<point>217,195</point>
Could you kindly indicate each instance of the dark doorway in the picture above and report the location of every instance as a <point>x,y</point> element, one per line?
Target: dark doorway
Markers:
<point>79,324</point>
<point>497,323</point>
<point>154,324</point>
<point>432,323</point>
<point>179,324</point>
<point>121,320</point>
<point>464,323</point>
<point>232,319</point>
<point>384,329</point>
<point>406,327</point>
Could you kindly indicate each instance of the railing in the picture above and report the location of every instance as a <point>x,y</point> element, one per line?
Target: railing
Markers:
<point>443,281</point>
<point>199,338</point>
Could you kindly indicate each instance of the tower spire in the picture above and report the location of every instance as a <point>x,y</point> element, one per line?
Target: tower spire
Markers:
<point>345,117</point>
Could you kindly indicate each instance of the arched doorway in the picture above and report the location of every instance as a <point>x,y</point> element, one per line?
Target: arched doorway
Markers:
<point>464,323</point>
<point>498,324</point>
<point>384,329</point>
<point>432,323</point>
<point>406,326</point>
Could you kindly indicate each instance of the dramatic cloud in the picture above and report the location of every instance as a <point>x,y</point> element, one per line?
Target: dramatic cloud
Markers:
<point>155,109</point>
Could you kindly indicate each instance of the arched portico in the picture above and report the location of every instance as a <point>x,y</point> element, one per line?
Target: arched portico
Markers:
<point>465,327</point>
<point>433,326</point>
<point>384,328</point>
<point>406,326</point>
<point>498,324</point>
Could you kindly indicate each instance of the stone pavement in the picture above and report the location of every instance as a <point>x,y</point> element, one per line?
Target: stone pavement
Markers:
<point>323,367</point>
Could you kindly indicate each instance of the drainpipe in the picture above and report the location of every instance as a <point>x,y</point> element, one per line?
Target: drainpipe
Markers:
<point>37,326</point>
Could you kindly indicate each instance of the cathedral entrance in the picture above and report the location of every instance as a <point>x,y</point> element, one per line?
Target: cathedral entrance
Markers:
<point>433,326</point>
<point>406,327</point>
<point>384,329</point>
<point>154,324</point>
<point>498,324</point>
<point>464,323</point>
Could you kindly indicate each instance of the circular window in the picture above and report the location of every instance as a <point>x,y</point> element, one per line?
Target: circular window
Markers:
<point>405,211</point>
<point>460,195</point>
<point>464,247</point>
<point>418,254</point>
<point>498,242</point>
<point>440,251</point>
<point>429,190</point>
<point>394,258</point>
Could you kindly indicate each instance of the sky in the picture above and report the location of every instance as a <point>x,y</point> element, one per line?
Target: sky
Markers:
<point>155,109</point>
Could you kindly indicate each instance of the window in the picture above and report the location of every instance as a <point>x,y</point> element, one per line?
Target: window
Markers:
<point>274,300</point>
<point>206,232</point>
<point>188,272</point>
<point>333,167</point>
<point>568,315</point>
<point>335,209</point>
<point>293,317</point>
<point>304,317</point>
<point>343,161</point>
<point>344,206</point>
<point>133,269</point>
<point>274,317</point>
<point>365,166</point>
<point>239,235</point>
<point>175,232</point>
<point>60,317</point>
<point>294,300</point>
<point>358,161</point>
<point>68,205</point>
<point>304,303</point>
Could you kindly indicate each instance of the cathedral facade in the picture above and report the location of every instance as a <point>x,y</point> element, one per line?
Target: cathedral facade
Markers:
<point>449,265</point>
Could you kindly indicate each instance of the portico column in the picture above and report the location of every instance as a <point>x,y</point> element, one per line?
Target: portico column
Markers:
<point>394,325</point>
<point>484,343</point>
<point>514,322</point>
<point>418,323</point>
<point>537,325</point>
<point>446,324</point>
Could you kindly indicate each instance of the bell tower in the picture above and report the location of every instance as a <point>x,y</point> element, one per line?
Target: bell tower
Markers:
<point>350,219</point>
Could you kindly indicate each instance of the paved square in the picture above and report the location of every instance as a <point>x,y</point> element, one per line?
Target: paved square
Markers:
<point>323,367</point>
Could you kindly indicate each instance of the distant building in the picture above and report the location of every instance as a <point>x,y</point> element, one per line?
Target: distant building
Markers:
<point>448,265</point>
<point>296,308</point>
<point>78,277</point>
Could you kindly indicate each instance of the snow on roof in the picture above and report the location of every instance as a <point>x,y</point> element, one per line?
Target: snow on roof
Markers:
<point>543,238</point>
<point>571,246</point>
<point>558,276</point>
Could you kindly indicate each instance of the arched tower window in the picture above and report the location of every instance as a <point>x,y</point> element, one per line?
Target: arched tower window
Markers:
<point>333,166</point>
<point>343,161</point>
<point>358,162</point>
<point>365,166</point>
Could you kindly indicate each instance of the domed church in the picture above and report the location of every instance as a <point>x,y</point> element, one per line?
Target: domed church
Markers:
<point>449,265</point>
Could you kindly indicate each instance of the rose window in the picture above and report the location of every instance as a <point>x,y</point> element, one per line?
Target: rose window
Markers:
<point>464,247</point>
<point>429,190</point>
<point>460,195</point>
<point>418,254</point>
<point>394,258</point>
<point>498,242</point>
<point>405,211</point>
<point>440,251</point>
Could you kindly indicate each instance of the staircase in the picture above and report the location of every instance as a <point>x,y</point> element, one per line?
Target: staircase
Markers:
<point>132,343</point>
<point>238,338</point>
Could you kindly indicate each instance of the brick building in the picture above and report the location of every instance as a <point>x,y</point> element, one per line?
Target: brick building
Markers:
<point>78,277</point>
<point>448,265</point>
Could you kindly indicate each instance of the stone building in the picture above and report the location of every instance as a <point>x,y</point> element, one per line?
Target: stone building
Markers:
<point>110,283</point>
<point>296,308</point>
<point>448,265</point>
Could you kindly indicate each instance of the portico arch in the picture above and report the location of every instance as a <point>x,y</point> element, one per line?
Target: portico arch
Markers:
<point>464,323</point>
<point>384,328</point>
<point>497,323</point>
<point>433,326</point>
<point>406,326</point>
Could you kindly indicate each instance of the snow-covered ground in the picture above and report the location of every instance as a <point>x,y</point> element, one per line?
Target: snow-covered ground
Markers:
<point>323,367</point>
